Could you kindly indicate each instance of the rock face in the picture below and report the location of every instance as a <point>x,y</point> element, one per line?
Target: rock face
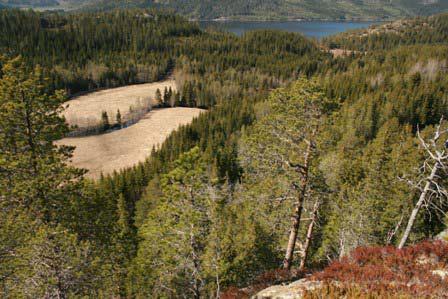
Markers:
<point>293,290</point>
<point>443,236</point>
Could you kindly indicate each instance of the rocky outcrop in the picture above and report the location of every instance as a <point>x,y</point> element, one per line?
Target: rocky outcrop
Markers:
<point>443,236</point>
<point>293,290</point>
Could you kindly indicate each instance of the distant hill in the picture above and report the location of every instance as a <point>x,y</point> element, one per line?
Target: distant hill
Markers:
<point>265,9</point>
<point>28,3</point>
<point>422,30</point>
<point>288,9</point>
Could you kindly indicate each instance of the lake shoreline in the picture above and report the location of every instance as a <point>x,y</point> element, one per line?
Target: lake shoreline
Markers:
<point>312,29</point>
<point>231,19</point>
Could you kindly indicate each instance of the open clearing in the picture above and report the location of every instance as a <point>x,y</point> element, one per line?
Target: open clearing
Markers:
<point>85,110</point>
<point>126,147</point>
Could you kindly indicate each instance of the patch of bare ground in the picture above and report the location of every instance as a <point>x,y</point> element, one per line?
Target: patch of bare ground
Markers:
<point>342,52</point>
<point>86,110</point>
<point>127,147</point>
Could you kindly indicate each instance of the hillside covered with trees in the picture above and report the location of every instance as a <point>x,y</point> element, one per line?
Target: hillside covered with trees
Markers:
<point>423,30</point>
<point>301,158</point>
<point>281,9</point>
<point>258,9</point>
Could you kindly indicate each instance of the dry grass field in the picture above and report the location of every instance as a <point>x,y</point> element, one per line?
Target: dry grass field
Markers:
<point>85,110</point>
<point>126,147</point>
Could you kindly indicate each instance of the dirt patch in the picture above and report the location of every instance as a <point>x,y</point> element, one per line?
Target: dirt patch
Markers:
<point>126,147</point>
<point>341,52</point>
<point>85,110</point>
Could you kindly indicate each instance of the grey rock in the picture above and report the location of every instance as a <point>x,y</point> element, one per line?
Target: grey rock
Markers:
<point>443,236</point>
<point>293,290</point>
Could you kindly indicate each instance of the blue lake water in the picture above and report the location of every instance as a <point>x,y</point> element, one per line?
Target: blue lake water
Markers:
<point>316,29</point>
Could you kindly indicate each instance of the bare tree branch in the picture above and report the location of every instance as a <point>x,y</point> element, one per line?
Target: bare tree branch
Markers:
<point>432,189</point>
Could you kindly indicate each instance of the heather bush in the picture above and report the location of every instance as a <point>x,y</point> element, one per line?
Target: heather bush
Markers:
<point>352,292</point>
<point>388,271</point>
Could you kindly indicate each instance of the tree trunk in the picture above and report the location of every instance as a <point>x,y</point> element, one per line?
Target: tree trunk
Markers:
<point>417,207</point>
<point>295,224</point>
<point>293,235</point>
<point>309,236</point>
<point>29,128</point>
<point>196,287</point>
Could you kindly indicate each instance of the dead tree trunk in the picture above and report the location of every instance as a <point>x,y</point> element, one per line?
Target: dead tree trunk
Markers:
<point>437,157</point>
<point>309,235</point>
<point>417,207</point>
<point>295,224</point>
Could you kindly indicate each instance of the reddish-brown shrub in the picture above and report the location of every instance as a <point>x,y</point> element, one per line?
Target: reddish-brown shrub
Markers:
<point>234,293</point>
<point>353,292</point>
<point>389,270</point>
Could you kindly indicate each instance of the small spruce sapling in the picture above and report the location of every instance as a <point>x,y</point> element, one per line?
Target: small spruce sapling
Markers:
<point>118,119</point>
<point>159,97</point>
<point>105,121</point>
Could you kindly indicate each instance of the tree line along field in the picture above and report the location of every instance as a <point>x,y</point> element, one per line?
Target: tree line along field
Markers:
<point>124,148</point>
<point>86,110</point>
<point>145,128</point>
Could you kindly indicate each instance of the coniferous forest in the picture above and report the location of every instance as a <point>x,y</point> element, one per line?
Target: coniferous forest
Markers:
<point>254,9</point>
<point>301,158</point>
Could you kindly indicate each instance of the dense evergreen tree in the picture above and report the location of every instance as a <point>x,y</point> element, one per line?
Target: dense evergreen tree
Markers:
<point>34,173</point>
<point>283,142</point>
<point>39,257</point>
<point>176,230</point>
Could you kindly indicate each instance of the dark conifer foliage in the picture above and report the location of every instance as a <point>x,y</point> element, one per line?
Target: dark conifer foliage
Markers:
<point>234,207</point>
<point>422,30</point>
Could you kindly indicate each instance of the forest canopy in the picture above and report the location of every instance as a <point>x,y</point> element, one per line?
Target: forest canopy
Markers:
<point>290,131</point>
